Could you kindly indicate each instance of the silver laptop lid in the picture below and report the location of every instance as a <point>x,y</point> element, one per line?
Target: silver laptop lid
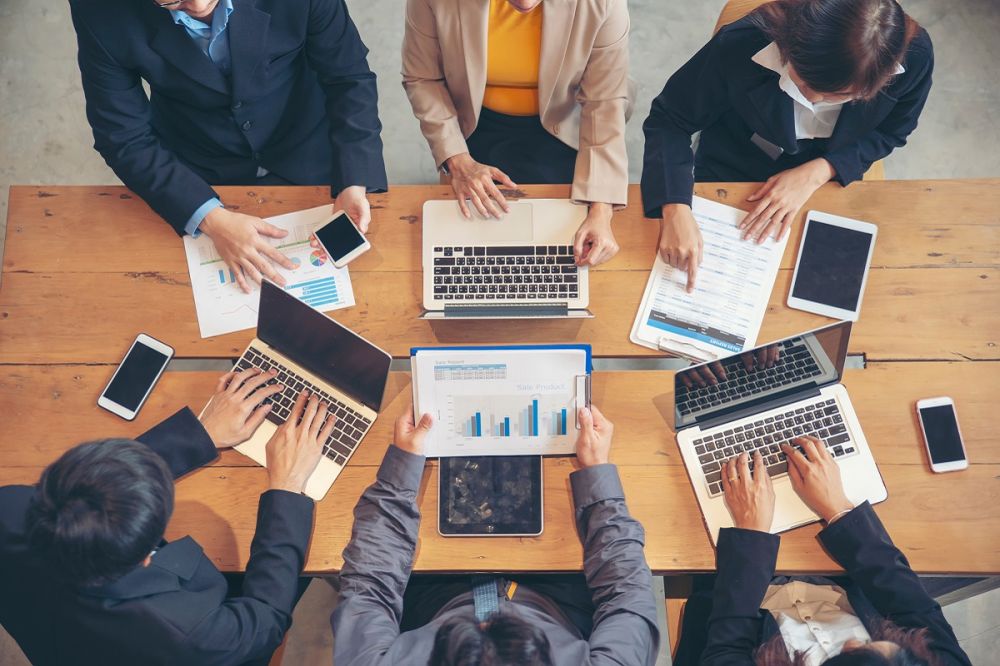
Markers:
<point>326,348</point>
<point>757,379</point>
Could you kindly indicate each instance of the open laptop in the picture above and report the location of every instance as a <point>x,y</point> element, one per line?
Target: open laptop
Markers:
<point>770,395</point>
<point>518,267</point>
<point>311,351</point>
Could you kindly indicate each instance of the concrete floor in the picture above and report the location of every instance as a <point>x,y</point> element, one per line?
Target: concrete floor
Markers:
<point>44,138</point>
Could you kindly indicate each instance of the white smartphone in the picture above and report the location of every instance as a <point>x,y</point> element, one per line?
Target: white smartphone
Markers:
<point>341,240</point>
<point>943,439</point>
<point>135,377</point>
<point>832,267</point>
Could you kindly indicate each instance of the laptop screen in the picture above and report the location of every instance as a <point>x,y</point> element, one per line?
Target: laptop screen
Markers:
<point>748,381</point>
<point>332,352</point>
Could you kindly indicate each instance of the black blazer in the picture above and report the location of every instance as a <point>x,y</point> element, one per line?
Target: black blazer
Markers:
<point>300,100</point>
<point>884,586</point>
<point>726,96</point>
<point>175,610</point>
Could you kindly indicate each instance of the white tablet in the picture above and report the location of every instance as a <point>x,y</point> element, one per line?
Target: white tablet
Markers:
<point>832,266</point>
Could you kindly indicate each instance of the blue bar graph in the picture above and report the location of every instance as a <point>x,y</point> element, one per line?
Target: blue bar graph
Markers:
<point>534,418</point>
<point>511,416</point>
<point>222,276</point>
<point>315,293</point>
<point>479,424</point>
<point>506,426</point>
<point>562,430</point>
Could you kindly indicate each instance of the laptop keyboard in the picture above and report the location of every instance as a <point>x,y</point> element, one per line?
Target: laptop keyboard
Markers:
<point>794,365</point>
<point>488,273</point>
<point>350,426</point>
<point>821,419</point>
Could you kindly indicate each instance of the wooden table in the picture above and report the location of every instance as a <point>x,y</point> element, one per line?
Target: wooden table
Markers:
<point>87,267</point>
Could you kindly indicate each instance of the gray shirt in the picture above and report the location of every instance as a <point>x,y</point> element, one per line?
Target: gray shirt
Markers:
<point>379,558</point>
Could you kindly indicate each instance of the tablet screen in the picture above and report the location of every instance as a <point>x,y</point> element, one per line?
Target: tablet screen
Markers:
<point>491,495</point>
<point>832,265</point>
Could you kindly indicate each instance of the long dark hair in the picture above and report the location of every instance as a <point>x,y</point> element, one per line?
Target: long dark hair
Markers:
<point>839,45</point>
<point>913,650</point>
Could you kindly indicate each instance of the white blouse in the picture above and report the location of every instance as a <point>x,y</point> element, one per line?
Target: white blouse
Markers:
<point>812,121</point>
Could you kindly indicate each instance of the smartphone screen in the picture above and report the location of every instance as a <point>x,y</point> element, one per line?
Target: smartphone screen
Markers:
<point>135,376</point>
<point>339,237</point>
<point>943,438</point>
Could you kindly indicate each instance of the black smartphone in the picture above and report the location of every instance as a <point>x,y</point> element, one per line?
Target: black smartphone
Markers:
<point>342,240</point>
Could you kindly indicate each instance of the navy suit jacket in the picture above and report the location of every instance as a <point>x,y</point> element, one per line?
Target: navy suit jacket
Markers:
<point>726,96</point>
<point>882,586</point>
<point>174,611</point>
<point>300,100</point>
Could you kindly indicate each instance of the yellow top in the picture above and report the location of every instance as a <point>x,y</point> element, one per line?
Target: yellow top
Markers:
<point>513,51</point>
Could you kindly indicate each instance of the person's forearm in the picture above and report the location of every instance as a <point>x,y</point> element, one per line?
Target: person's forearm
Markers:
<point>613,560</point>
<point>182,442</point>
<point>378,559</point>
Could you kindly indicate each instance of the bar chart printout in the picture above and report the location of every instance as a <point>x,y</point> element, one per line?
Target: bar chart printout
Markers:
<point>222,307</point>
<point>499,402</point>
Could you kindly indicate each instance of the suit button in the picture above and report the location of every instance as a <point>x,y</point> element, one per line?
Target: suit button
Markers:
<point>247,125</point>
<point>237,104</point>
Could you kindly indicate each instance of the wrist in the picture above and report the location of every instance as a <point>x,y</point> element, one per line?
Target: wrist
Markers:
<point>836,511</point>
<point>457,161</point>
<point>289,485</point>
<point>821,172</point>
<point>673,211</point>
<point>211,222</point>
<point>601,210</point>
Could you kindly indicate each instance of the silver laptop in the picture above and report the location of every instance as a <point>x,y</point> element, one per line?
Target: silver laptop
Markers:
<point>755,401</point>
<point>518,267</point>
<point>312,352</point>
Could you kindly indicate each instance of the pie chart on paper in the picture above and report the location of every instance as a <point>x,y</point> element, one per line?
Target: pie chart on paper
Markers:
<point>317,258</point>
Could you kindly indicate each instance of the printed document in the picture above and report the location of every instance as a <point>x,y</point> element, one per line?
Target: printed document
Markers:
<point>500,402</point>
<point>724,312</point>
<point>223,308</point>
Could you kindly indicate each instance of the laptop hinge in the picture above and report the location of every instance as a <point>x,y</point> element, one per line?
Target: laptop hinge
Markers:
<point>759,407</point>
<point>459,310</point>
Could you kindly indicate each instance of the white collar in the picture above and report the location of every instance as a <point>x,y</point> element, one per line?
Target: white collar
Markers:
<point>770,58</point>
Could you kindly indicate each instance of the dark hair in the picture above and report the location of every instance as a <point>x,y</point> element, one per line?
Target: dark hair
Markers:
<point>99,510</point>
<point>503,640</point>
<point>839,45</point>
<point>913,650</point>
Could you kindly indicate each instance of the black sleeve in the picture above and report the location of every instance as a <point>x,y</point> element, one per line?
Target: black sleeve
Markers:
<point>339,57</point>
<point>853,160</point>
<point>182,442</point>
<point>119,115</point>
<point>860,544</point>
<point>251,626</point>
<point>694,97</point>
<point>745,561</point>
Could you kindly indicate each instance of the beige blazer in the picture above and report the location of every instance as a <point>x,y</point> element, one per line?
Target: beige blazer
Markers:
<point>584,93</point>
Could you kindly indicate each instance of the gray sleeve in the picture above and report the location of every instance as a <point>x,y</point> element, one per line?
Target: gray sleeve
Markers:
<point>614,564</point>
<point>377,562</point>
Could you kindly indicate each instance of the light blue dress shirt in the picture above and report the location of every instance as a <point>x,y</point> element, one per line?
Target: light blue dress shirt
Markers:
<point>213,40</point>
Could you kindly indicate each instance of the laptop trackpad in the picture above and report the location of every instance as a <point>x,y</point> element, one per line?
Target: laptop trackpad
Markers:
<point>515,226</point>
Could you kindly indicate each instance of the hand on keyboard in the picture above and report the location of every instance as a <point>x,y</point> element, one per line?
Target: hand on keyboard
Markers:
<point>749,495</point>
<point>815,477</point>
<point>296,447</point>
<point>235,411</point>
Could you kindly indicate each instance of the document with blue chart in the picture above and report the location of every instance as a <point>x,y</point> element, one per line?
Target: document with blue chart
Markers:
<point>501,401</point>
<point>222,306</point>
<point>723,313</point>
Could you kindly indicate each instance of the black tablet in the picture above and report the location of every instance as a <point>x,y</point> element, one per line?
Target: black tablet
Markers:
<point>490,496</point>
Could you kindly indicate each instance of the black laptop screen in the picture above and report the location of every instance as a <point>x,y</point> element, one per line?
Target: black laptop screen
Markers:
<point>751,379</point>
<point>322,346</point>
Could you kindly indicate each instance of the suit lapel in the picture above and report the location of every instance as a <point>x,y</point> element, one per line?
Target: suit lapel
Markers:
<point>557,23</point>
<point>172,563</point>
<point>175,46</point>
<point>857,117</point>
<point>473,18</point>
<point>775,114</point>
<point>248,27</point>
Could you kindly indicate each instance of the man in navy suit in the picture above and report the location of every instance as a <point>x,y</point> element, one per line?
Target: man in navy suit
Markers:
<point>242,92</point>
<point>88,579</point>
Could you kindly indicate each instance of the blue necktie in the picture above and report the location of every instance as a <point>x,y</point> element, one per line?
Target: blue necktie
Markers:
<point>484,595</point>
